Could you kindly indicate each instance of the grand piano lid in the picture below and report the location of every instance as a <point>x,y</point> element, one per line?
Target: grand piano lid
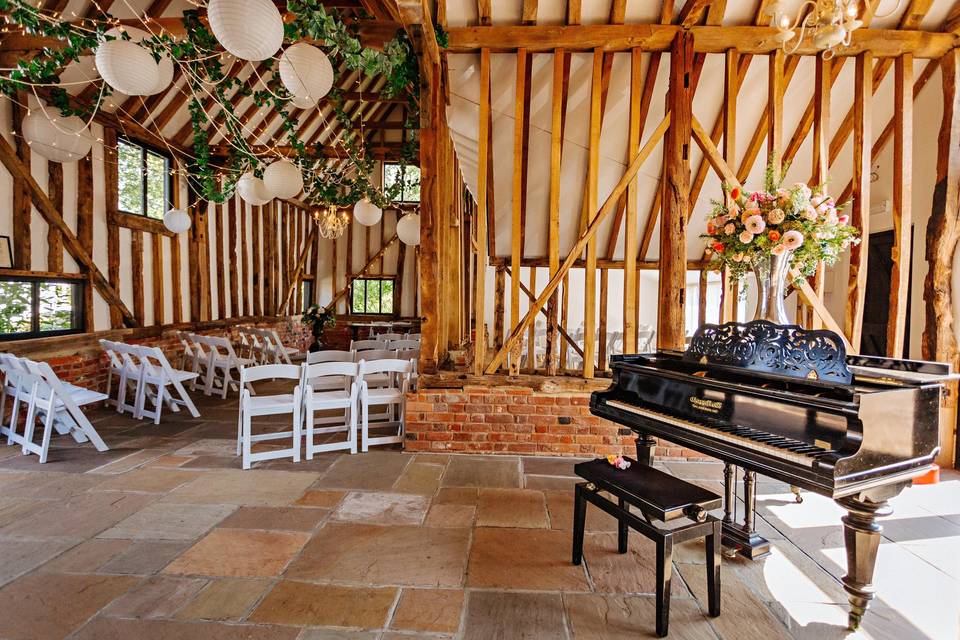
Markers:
<point>900,371</point>
<point>784,350</point>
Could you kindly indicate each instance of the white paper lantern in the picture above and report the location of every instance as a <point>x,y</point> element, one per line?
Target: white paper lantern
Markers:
<point>128,67</point>
<point>408,228</point>
<point>249,29</point>
<point>252,190</point>
<point>176,220</point>
<point>164,66</point>
<point>54,137</point>
<point>303,102</point>
<point>283,179</point>
<point>367,213</point>
<point>164,75</point>
<point>306,71</point>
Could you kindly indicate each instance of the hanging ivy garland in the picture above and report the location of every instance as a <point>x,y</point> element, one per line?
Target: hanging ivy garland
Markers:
<point>215,178</point>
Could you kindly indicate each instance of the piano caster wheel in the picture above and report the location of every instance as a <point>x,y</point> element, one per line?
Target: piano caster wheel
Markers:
<point>728,552</point>
<point>796,494</point>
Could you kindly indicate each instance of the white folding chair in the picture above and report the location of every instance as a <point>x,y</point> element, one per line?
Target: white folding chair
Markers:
<point>127,371</point>
<point>269,405</point>
<point>194,355</point>
<point>282,351</point>
<point>329,355</point>
<point>250,346</point>
<point>413,355</point>
<point>156,372</point>
<point>403,344</point>
<point>8,367</point>
<point>380,379</point>
<point>367,345</point>
<point>223,359</point>
<point>344,374</point>
<point>389,336</point>
<point>393,395</point>
<point>59,406</point>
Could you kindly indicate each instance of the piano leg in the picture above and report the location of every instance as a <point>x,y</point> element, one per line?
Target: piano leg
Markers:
<point>645,446</point>
<point>729,492</point>
<point>861,535</point>
<point>742,537</point>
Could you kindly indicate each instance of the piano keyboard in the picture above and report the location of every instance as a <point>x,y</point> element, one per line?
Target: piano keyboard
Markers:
<point>767,443</point>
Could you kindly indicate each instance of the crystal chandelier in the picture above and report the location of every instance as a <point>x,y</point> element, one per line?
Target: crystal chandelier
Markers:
<point>332,221</point>
<point>829,23</point>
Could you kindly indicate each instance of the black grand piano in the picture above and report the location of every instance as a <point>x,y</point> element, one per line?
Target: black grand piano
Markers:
<point>790,404</point>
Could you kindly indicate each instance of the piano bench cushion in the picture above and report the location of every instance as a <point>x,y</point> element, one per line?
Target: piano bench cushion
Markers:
<point>654,492</point>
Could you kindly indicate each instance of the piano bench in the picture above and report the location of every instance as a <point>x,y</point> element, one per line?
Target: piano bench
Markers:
<point>660,497</point>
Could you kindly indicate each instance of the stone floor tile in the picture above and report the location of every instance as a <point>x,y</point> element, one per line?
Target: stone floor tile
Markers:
<point>214,462</point>
<point>372,471</point>
<point>211,446</point>
<point>275,518</point>
<point>302,603</point>
<point>535,559</point>
<point>82,516</point>
<point>338,634</point>
<point>407,555</point>
<point>382,508</point>
<point>158,597</point>
<point>420,478</point>
<point>239,553</point>
<point>433,610</point>
<point>144,558</point>
<point>20,556</point>
<point>169,461</point>
<point>43,606</point>
<point>620,617</point>
<point>87,556</point>
<point>106,628</point>
<point>475,471</point>
<point>450,515</point>
<point>52,485</point>
<point>225,599</point>
<point>67,459</point>
<point>531,616</point>
<point>432,458</point>
<point>162,521</point>
<point>457,495</point>
<point>147,480</point>
<point>560,508</point>
<point>129,462</point>
<point>14,509</point>
<point>633,572</point>
<point>544,466</point>
<point>550,483</point>
<point>320,498</point>
<point>511,508</point>
<point>263,488</point>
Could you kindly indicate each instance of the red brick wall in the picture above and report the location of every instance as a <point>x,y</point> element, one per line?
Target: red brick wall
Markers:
<point>516,420</point>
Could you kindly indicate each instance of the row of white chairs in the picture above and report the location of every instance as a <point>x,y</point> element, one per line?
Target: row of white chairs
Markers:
<point>395,336</point>
<point>147,373</point>
<point>48,399</point>
<point>264,346</point>
<point>333,385</point>
<point>213,359</point>
<point>367,345</point>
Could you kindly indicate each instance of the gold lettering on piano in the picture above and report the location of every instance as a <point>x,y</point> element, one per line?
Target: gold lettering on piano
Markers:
<point>707,406</point>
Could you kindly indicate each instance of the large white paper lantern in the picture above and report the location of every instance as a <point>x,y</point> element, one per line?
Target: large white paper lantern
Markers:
<point>164,75</point>
<point>54,137</point>
<point>128,67</point>
<point>367,213</point>
<point>163,68</point>
<point>249,29</point>
<point>408,228</point>
<point>176,220</point>
<point>303,102</point>
<point>283,179</point>
<point>252,190</point>
<point>306,71</point>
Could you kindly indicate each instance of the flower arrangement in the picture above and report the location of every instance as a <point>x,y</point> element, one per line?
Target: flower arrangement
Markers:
<point>745,231</point>
<point>318,319</point>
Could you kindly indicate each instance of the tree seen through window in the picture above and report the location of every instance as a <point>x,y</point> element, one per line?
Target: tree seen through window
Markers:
<point>143,180</point>
<point>372,296</point>
<point>34,307</point>
<point>406,178</point>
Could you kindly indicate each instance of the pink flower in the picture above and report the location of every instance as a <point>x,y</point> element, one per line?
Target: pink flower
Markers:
<point>738,257</point>
<point>729,229</point>
<point>755,224</point>
<point>733,210</point>
<point>746,237</point>
<point>816,200</point>
<point>792,239</point>
<point>778,250</point>
<point>803,188</point>
<point>810,213</point>
<point>843,219</point>
<point>776,216</point>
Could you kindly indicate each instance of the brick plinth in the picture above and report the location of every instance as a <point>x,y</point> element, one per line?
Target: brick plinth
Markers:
<point>516,420</point>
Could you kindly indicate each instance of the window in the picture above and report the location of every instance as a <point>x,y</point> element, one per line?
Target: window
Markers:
<point>371,295</point>
<point>407,176</point>
<point>31,307</point>
<point>143,179</point>
<point>306,289</point>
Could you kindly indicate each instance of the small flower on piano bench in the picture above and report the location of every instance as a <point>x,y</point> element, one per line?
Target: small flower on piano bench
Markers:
<point>619,462</point>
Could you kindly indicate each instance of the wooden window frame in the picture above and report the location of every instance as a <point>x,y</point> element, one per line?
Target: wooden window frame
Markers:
<point>353,283</point>
<point>146,149</point>
<point>78,307</point>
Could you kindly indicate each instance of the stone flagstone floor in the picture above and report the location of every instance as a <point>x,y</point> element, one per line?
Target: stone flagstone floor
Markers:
<point>164,537</point>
